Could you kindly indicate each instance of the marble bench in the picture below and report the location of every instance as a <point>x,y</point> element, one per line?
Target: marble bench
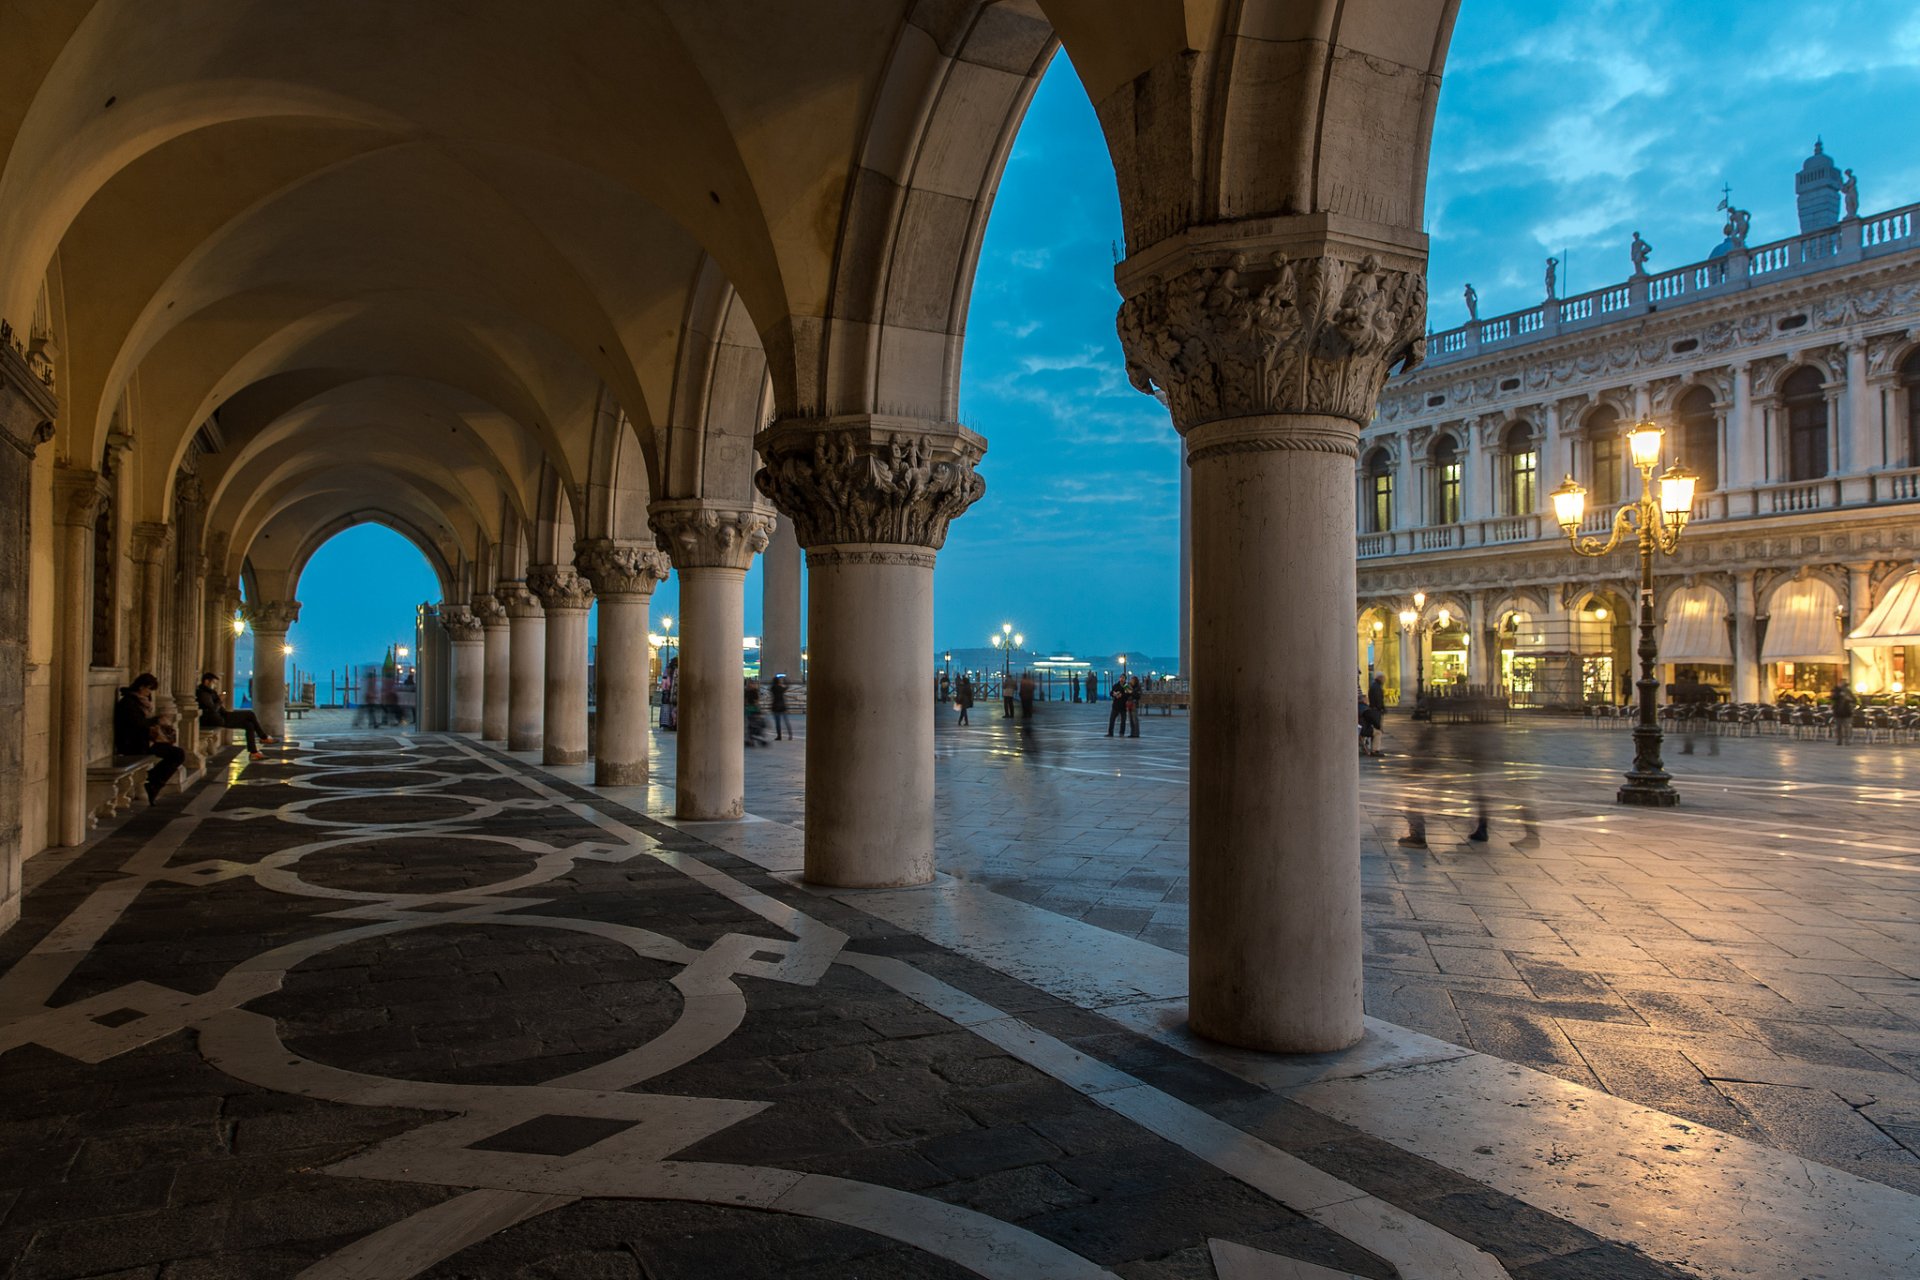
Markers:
<point>112,785</point>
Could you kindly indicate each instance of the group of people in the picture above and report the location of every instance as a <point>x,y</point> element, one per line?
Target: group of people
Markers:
<point>1475,744</point>
<point>1123,695</point>
<point>140,729</point>
<point>757,719</point>
<point>380,699</point>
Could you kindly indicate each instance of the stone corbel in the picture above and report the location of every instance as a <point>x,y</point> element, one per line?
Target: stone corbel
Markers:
<point>870,480</point>
<point>621,568</point>
<point>698,534</point>
<point>560,587</point>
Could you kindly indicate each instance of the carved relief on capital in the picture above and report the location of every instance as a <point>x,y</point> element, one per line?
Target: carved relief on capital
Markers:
<point>1315,334</point>
<point>488,611</point>
<point>188,491</point>
<point>621,568</point>
<point>870,480</point>
<point>518,601</point>
<point>149,541</point>
<point>560,587</point>
<point>462,627</point>
<point>698,534</point>
<point>78,496</point>
<point>273,615</point>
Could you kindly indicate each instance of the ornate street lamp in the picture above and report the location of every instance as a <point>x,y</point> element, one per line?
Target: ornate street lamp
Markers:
<point>666,639</point>
<point>1658,522</point>
<point>1414,625</point>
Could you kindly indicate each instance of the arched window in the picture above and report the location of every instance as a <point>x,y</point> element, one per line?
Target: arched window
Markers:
<point>1806,407</point>
<point>1697,431</point>
<point>1446,481</point>
<point>1379,492</point>
<point>1520,469</point>
<point>1910,379</point>
<point>1606,456</point>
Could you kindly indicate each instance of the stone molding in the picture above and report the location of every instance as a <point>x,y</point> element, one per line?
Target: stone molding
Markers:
<point>78,495</point>
<point>28,405</point>
<point>149,541</point>
<point>560,587</point>
<point>519,602</point>
<point>462,627</point>
<point>273,616</point>
<point>489,611</point>
<point>1245,336</point>
<point>829,557</point>
<point>870,479</point>
<point>1297,434</point>
<point>621,568</point>
<point>698,534</point>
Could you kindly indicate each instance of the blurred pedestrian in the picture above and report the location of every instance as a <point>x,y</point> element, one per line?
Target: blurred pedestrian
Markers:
<point>777,696</point>
<point>1844,705</point>
<point>1135,693</point>
<point>963,698</point>
<point>1026,702</point>
<point>1117,701</point>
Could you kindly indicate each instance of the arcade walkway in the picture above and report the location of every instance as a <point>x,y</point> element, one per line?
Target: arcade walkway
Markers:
<point>387,1006</point>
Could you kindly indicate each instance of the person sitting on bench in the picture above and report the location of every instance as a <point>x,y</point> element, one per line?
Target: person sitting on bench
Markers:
<point>215,715</point>
<point>138,732</point>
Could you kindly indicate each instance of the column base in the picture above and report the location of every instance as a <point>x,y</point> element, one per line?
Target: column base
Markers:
<point>528,743</point>
<point>555,755</point>
<point>613,773</point>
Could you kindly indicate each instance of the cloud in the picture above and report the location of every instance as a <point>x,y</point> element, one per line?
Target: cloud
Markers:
<point>1031,259</point>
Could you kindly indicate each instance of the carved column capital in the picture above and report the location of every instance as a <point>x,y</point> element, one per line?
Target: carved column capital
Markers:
<point>870,479</point>
<point>518,601</point>
<point>188,492</point>
<point>621,568</point>
<point>699,534</point>
<point>149,542</point>
<point>1284,326</point>
<point>28,405</point>
<point>489,612</point>
<point>462,627</point>
<point>560,587</point>
<point>78,495</point>
<point>273,615</point>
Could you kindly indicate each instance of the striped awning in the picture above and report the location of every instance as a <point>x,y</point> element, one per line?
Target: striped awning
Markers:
<point>1696,628</point>
<point>1895,621</point>
<point>1803,624</point>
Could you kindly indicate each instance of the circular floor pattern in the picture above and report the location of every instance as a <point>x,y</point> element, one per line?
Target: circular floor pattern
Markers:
<point>404,865</point>
<point>387,810</point>
<point>408,779</point>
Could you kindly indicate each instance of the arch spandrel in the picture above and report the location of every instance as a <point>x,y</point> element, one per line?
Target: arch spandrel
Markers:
<point>274,529</point>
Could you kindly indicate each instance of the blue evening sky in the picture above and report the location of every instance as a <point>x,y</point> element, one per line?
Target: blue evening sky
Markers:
<point>1564,126</point>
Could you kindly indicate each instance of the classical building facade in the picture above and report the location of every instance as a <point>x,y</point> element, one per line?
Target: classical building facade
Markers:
<point>1786,374</point>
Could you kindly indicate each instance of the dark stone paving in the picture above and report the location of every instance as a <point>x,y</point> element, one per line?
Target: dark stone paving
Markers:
<point>151,1162</point>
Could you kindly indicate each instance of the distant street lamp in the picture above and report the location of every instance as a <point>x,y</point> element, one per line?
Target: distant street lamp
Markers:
<point>666,639</point>
<point>239,626</point>
<point>1658,522</point>
<point>1413,622</point>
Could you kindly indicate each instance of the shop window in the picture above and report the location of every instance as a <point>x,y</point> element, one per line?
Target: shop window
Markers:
<point>1698,429</point>
<point>1806,408</point>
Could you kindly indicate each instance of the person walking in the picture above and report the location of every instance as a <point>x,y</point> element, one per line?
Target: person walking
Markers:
<point>1134,694</point>
<point>1093,687</point>
<point>1377,698</point>
<point>963,699</point>
<point>670,696</point>
<point>1117,701</point>
<point>1006,696</point>
<point>1027,691</point>
<point>214,714</point>
<point>777,697</point>
<point>1844,705</point>
<point>137,731</point>
<point>756,718</point>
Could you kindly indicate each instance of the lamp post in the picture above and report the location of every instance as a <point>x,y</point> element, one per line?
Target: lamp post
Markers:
<point>1658,521</point>
<point>666,638</point>
<point>1414,624</point>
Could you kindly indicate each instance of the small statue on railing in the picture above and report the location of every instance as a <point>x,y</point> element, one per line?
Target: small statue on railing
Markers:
<point>1473,305</point>
<point>1850,192</point>
<point>1553,278</point>
<point>1641,251</point>
<point>1738,222</point>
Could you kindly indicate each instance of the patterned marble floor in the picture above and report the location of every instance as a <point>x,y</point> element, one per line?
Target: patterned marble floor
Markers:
<point>384,1006</point>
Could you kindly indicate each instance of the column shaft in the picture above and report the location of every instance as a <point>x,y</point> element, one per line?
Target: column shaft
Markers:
<point>869,730</point>
<point>527,670</point>
<point>1746,647</point>
<point>468,675</point>
<point>496,667</point>
<point>564,732</point>
<point>77,496</point>
<point>780,605</point>
<point>709,769</point>
<point>622,705</point>
<point>270,679</point>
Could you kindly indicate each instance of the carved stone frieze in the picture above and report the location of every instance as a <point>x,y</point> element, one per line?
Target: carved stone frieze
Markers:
<point>462,627</point>
<point>869,479</point>
<point>272,616</point>
<point>828,557</point>
<point>621,568</point>
<point>560,587</point>
<point>1315,334</point>
<point>518,601</point>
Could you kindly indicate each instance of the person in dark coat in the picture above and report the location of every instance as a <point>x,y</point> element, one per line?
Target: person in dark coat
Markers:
<point>777,696</point>
<point>214,714</point>
<point>1135,692</point>
<point>1027,692</point>
<point>1377,698</point>
<point>138,732</point>
<point>1117,699</point>
<point>963,699</point>
<point>1093,687</point>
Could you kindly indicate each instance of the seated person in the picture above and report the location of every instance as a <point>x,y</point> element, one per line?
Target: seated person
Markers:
<point>138,732</point>
<point>214,715</point>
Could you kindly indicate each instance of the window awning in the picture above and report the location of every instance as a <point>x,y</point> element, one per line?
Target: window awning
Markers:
<point>1804,624</point>
<point>1696,628</point>
<point>1895,621</point>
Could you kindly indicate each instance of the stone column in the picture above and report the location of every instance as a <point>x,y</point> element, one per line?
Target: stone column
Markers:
<point>1743,434</point>
<point>871,499</point>
<point>1406,489</point>
<point>1407,647</point>
<point>77,498</point>
<point>1746,643</point>
<point>214,625</point>
<point>27,411</point>
<point>1271,350</point>
<point>780,605</point>
<point>565,597</point>
<point>1862,671</point>
<point>270,620</point>
<point>526,667</point>
<point>1476,487</point>
<point>1477,655</point>
<point>229,639</point>
<point>1551,447</point>
<point>148,546</point>
<point>1862,451</point>
<point>182,652</point>
<point>712,546</point>
<point>623,577</point>
<point>496,667</point>
<point>466,667</point>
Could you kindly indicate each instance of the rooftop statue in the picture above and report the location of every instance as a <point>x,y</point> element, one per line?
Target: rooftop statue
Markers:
<point>1553,277</point>
<point>1641,251</point>
<point>1473,305</point>
<point>1850,192</point>
<point>1738,221</point>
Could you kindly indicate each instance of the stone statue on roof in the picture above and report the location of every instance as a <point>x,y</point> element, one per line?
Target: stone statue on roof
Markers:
<point>1473,305</point>
<point>1738,221</point>
<point>1850,192</point>
<point>1641,251</point>
<point>1553,277</point>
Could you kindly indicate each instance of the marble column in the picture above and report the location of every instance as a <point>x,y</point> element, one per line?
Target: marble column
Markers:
<point>624,576</point>
<point>871,498</point>
<point>1862,452</point>
<point>148,547</point>
<point>526,667</point>
<point>1862,669</point>
<point>27,411</point>
<point>466,667</point>
<point>77,498</point>
<point>711,545</point>
<point>1409,672</point>
<point>780,605</point>
<point>1743,434</point>
<point>1477,671</point>
<point>1746,641</point>
<point>565,597</point>
<point>1271,351</point>
<point>496,667</point>
<point>270,620</point>
<point>182,641</point>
